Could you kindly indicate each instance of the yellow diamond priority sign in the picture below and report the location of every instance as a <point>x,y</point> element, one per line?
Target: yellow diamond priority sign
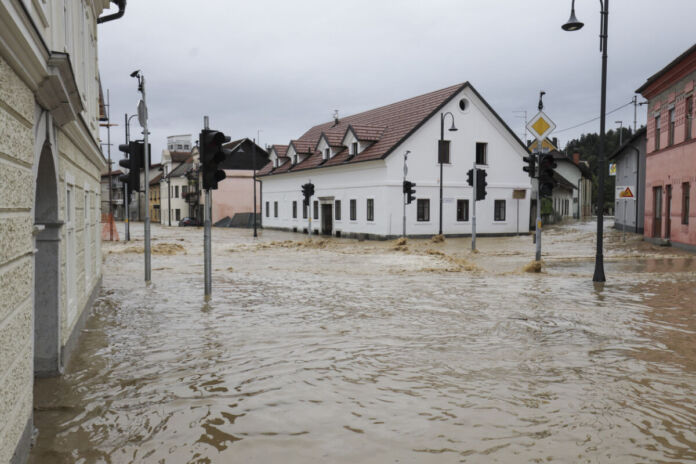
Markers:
<point>541,126</point>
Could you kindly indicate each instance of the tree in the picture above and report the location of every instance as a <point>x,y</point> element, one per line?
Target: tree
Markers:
<point>588,147</point>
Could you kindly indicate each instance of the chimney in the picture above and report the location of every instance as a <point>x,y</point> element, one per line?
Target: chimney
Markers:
<point>576,158</point>
<point>335,118</point>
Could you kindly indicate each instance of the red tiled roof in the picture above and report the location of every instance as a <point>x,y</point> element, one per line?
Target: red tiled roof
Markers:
<point>281,150</point>
<point>117,172</point>
<point>368,133</point>
<point>387,126</point>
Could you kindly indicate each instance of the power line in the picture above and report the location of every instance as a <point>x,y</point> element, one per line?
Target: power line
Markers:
<point>594,119</point>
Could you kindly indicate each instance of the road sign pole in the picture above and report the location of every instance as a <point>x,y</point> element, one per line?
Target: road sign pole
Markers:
<point>538,208</point>
<point>207,258</point>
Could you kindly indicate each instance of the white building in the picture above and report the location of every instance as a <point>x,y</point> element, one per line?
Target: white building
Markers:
<point>174,183</point>
<point>357,166</point>
<point>50,167</point>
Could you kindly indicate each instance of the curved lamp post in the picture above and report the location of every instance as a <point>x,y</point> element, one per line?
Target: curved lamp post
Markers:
<point>442,139</point>
<point>573,25</point>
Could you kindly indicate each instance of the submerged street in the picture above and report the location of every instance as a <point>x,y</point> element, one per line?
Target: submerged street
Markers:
<point>344,351</point>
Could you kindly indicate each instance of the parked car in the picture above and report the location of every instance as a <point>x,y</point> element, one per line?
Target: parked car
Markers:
<point>188,221</point>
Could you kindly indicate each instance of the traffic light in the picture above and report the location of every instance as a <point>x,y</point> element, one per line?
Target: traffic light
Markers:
<point>481,184</point>
<point>409,191</point>
<point>307,192</point>
<point>470,177</point>
<point>530,168</point>
<point>133,162</point>
<point>546,182</point>
<point>212,154</point>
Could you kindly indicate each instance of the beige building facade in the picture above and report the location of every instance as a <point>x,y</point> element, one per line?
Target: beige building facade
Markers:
<point>50,166</point>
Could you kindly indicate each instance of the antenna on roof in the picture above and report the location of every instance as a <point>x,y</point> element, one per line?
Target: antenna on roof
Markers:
<point>336,118</point>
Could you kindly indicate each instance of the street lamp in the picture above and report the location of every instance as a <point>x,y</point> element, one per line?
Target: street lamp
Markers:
<point>441,154</point>
<point>573,25</point>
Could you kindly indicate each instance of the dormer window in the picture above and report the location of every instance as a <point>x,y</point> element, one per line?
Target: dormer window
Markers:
<point>327,153</point>
<point>294,159</point>
<point>276,162</point>
<point>354,148</point>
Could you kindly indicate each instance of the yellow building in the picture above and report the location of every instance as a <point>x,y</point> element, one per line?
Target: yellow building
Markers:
<point>154,199</point>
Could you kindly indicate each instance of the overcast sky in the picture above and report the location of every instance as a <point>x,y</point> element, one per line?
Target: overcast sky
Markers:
<point>280,67</point>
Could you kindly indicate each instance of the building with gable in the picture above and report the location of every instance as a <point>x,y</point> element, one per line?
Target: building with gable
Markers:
<point>670,171</point>
<point>357,166</point>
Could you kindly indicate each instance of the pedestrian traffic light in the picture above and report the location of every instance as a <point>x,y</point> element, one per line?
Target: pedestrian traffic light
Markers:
<point>133,162</point>
<point>212,154</point>
<point>530,168</point>
<point>481,184</point>
<point>470,177</point>
<point>409,191</point>
<point>307,192</point>
<point>546,181</point>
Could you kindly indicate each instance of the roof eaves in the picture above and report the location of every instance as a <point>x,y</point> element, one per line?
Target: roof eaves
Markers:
<point>664,70</point>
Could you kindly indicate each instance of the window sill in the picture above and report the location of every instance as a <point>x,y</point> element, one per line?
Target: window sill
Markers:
<point>499,222</point>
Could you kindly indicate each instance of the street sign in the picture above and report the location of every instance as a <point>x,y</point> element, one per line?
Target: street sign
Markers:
<point>519,194</point>
<point>541,126</point>
<point>142,113</point>
<point>612,169</point>
<point>625,192</point>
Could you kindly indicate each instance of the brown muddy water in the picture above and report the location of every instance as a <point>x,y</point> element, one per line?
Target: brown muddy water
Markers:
<point>346,352</point>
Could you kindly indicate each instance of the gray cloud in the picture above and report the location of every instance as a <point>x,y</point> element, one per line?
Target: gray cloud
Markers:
<point>281,67</point>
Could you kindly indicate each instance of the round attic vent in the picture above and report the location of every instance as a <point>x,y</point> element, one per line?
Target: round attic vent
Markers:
<point>463,105</point>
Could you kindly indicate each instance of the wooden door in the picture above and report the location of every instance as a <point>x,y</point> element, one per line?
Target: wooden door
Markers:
<point>668,213</point>
<point>326,219</point>
<point>657,212</point>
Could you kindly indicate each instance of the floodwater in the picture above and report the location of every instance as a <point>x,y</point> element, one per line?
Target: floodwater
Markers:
<point>344,352</point>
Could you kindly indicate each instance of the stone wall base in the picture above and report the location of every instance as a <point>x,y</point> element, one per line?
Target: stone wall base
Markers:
<point>21,454</point>
<point>67,351</point>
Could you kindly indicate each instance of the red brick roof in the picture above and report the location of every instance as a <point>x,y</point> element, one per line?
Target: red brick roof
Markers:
<point>281,150</point>
<point>386,127</point>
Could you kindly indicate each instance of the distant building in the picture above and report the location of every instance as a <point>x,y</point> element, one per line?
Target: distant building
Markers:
<point>572,194</point>
<point>117,193</point>
<point>630,173</point>
<point>155,213</point>
<point>670,174</point>
<point>357,166</point>
<point>174,183</point>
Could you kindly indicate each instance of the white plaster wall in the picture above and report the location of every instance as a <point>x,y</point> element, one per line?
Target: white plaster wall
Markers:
<point>382,180</point>
<point>176,202</point>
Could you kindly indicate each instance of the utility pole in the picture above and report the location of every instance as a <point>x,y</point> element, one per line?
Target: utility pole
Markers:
<point>620,123</point>
<point>108,149</point>
<point>635,112</point>
<point>537,235</point>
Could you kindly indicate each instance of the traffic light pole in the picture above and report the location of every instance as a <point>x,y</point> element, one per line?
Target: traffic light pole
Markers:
<point>538,199</point>
<point>207,259</point>
<point>146,161</point>
<point>473,211</point>
<point>404,194</point>
<point>125,203</point>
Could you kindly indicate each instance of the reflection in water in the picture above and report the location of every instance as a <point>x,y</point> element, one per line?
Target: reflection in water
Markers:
<point>365,352</point>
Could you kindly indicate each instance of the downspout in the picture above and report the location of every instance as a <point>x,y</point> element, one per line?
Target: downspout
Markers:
<point>121,11</point>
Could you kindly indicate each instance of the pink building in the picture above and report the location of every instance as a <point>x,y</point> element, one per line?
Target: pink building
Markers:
<point>670,175</point>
